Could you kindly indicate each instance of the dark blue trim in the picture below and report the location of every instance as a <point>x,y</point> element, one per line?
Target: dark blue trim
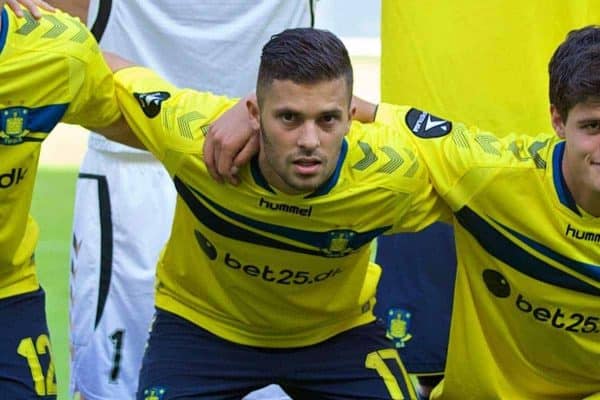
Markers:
<point>589,270</point>
<point>259,178</point>
<point>38,119</point>
<point>328,185</point>
<point>325,188</point>
<point>562,190</point>
<point>4,29</point>
<point>500,247</point>
<point>320,240</point>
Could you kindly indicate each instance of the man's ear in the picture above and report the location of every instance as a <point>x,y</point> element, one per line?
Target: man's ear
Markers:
<point>253,112</point>
<point>557,122</point>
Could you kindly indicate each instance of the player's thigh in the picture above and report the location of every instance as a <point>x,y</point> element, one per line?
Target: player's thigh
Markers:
<point>184,361</point>
<point>26,367</point>
<point>356,364</point>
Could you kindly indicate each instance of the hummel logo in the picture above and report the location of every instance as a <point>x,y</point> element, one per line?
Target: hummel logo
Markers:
<point>150,102</point>
<point>432,124</point>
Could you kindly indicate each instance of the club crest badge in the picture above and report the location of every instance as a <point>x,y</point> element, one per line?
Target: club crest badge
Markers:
<point>338,243</point>
<point>13,125</point>
<point>398,326</point>
<point>154,393</point>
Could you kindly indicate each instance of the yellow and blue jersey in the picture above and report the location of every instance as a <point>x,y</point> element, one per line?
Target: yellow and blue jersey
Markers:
<point>51,70</point>
<point>260,267</point>
<point>526,314</point>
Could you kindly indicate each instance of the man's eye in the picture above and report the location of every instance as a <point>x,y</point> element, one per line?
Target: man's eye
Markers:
<point>288,117</point>
<point>329,118</point>
<point>595,125</point>
<point>592,126</point>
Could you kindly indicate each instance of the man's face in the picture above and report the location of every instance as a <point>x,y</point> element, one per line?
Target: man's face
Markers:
<point>302,128</point>
<point>581,162</point>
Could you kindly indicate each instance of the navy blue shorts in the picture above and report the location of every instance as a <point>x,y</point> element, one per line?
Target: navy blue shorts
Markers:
<point>414,297</point>
<point>184,361</point>
<point>26,369</point>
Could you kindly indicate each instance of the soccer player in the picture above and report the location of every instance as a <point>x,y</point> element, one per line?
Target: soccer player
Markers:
<point>206,45</point>
<point>270,281</point>
<point>51,70</point>
<point>526,313</point>
<point>505,95</point>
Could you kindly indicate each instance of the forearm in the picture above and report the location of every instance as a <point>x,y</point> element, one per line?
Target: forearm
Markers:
<point>120,132</point>
<point>364,111</point>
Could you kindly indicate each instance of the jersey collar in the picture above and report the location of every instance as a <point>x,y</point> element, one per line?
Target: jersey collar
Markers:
<point>4,29</point>
<point>325,188</point>
<point>562,191</point>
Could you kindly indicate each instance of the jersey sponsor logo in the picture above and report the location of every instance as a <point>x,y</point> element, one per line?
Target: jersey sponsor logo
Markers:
<point>397,326</point>
<point>582,235</point>
<point>496,283</point>
<point>553,316</point>
<point>12,130</point>
<point>13,177</point>
<point>150,102</point>
<point>260,231</point>
<point>287,208</point>
<point>155,393</point>
<point>206,246</point>
<point>425,125</point>
<point>281,276</point>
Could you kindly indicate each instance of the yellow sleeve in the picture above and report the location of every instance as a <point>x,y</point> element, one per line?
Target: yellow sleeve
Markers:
<point>166,119</point>
<point>461,161</point>
<point>93,102</point>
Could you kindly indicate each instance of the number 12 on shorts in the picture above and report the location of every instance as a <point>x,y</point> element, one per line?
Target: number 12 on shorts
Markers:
<point>43,385</point>
<point>384,362</point>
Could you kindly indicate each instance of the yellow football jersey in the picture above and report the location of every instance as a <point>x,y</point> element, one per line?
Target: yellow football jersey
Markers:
<point>484,63</point>
<point>526,316</point>
<point>260,267</point>
<point>51,70</point>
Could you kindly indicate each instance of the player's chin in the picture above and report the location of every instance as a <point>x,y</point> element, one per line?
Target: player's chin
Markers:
<point>308,183</point>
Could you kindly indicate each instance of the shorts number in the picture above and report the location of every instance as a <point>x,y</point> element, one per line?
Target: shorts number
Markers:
<point>117,340</point>
<point>43,386</point>
<point>378,360</point>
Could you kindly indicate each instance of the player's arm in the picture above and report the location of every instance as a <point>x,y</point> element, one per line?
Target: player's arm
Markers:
<point>119,131</point>
<point>32,6</point>
<point>77,8</point>
<point>169,121</point>
<point>231,141</point>
<point>365,110</point>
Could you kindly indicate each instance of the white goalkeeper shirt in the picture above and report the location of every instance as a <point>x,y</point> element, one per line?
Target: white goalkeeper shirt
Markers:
<point>209,45</point>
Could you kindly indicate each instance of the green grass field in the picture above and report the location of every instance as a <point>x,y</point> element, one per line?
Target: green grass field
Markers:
<point>53,209</point>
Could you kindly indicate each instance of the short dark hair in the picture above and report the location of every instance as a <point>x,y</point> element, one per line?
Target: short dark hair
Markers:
<point>303,55</point>
<point>575,70</point>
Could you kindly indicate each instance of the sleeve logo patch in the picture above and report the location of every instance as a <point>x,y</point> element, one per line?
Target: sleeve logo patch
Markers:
<point>150,102</point>
<point>425,125</point>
